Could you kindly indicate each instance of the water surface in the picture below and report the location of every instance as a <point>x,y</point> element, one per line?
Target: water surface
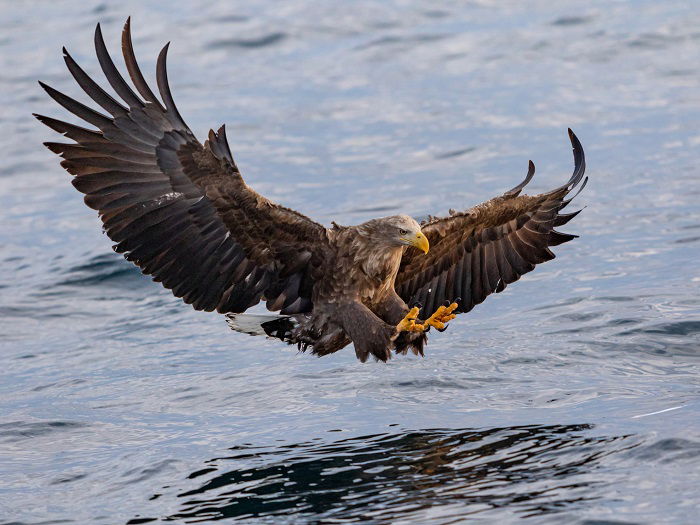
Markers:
<point>571,397</point>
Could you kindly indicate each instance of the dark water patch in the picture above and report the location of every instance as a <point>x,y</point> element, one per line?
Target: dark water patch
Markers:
<point>247,43</point>
<point>580,317</point>
<point>620,344</point>
<point>402,40</point>
<point>436,13</point>
<point>43,522</point>
<point>622,322</point>
<point>533,470</point>
<point>202,472</point>
<point>571,20</point>
<point>686,240</point>
<point>669,451</point>
<point>609,522</point>
<point>101,270</point>
<point>680,73</point>
<point>433,383</point>
<point>373,209</point>
<point>573,331</point>
<point>454,153</point>
<point>68,479</point>
<point>16,311</point>
<point>522,361</point>
<point>680,328</point>
<point>559,304</point>
<point>232,18</point>
<point>58,384</point>
<point>617,298</point>
<point>652,41</point>
<point>19,431</point>
<point>138,475</point>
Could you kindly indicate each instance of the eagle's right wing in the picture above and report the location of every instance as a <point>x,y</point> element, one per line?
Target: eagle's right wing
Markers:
<point>479,251</point>
<point>176,208</point>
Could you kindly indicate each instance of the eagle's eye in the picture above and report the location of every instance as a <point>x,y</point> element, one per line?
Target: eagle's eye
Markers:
<point>403,232</point>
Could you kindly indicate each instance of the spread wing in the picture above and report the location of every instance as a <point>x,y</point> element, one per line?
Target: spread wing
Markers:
<point>178,209</point>
<point>481,250</point>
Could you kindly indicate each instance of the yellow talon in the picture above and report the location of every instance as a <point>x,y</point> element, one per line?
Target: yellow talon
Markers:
<point>441,316</point>
<point>408,323</point>
<point>439,319</point>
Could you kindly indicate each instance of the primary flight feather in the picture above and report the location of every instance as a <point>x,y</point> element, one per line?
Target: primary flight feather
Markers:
<point>181,211</point>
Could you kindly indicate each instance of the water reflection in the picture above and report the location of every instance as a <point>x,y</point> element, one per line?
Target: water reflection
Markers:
<point>532,470</point>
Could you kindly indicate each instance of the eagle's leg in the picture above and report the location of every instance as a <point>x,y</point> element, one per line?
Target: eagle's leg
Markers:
<point>370,334</point>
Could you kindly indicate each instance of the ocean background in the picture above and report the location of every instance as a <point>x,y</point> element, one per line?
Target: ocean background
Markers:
<point>572,397</point>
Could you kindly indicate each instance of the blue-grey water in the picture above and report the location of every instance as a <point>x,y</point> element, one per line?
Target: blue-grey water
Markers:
<point>572,397</point>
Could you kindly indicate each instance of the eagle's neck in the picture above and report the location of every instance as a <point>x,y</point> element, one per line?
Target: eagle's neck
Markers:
<point>372,263</point>
<point>377,261</point>
<point>381,264</point>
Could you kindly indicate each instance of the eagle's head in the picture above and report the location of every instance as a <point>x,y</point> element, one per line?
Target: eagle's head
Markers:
<point>397,231</point>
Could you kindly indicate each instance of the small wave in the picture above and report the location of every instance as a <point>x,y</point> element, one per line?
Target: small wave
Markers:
<point>566,302</point>
<point>686,240</point>
<point>580,317</point>
<point>68,479</point>
<point>231,18</point>
<point>19,431</point>
<point>58,384</point>
<point>141,474</point>
<point>677,328</point>
<point>454,153</point>
<point>395,40</point>
<point>668,450</point>
<point>247,43</point>
<point>373,209</point>
<point>17,311</point>
<point>434,383</point>
<point>571,20</point>
<point>104,269</point>
<point>654,41</point>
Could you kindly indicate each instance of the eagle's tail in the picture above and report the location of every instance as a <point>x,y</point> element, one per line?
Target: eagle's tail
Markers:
<point>274,326</point>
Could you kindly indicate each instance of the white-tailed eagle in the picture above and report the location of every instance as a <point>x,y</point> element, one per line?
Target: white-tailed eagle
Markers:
<point>181,212</point>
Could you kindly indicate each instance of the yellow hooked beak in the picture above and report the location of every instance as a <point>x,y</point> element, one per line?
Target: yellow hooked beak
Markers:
<point>420,241</point>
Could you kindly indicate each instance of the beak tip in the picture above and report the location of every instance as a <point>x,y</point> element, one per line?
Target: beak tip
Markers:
<point>423,243</point>
<point>420,241</point>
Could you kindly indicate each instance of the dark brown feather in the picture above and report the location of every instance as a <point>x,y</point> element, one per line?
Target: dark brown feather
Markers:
<point>133,68</point>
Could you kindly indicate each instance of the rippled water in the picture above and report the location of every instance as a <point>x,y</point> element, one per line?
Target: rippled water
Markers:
<point>573,397</point>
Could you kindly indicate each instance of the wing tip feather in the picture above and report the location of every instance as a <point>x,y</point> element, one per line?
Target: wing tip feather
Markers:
<point>514,192</point>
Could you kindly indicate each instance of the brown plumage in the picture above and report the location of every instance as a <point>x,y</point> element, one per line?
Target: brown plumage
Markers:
<point>181,212</point>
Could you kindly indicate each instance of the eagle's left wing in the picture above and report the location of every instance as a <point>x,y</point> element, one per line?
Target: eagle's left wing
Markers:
<point>178,209</point>
<point>481,250</point>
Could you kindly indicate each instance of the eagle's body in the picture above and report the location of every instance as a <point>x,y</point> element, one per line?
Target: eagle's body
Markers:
<point>182,212</point>
<point>354,299</point>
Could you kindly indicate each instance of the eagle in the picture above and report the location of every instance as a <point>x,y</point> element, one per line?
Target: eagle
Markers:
<point>180,210</point>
